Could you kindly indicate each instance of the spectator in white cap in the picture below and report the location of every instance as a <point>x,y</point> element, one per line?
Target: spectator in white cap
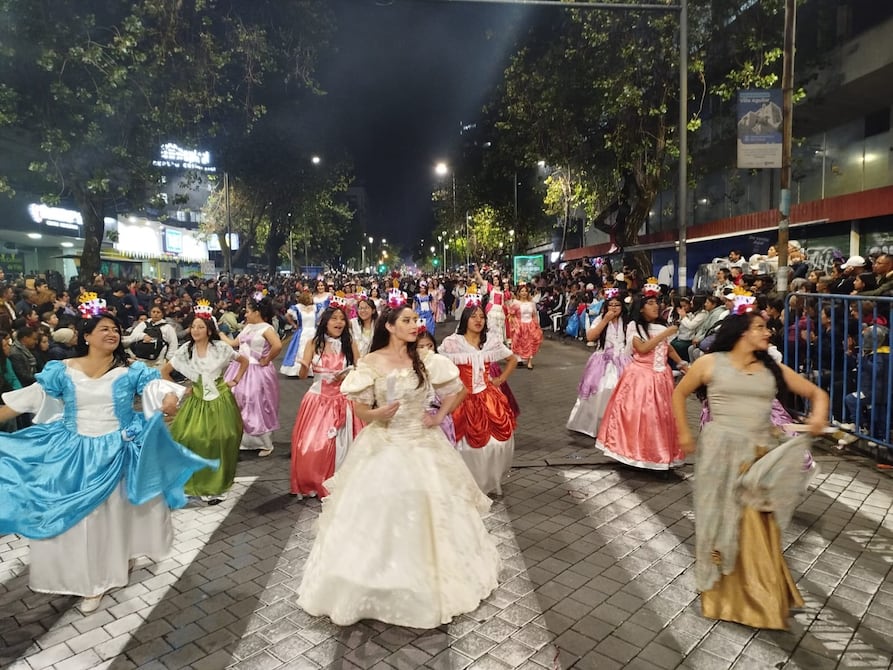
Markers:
<point>62,345</point>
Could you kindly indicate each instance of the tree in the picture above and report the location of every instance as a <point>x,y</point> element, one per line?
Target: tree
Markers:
<point>99,86</point>
<point>595,93</point>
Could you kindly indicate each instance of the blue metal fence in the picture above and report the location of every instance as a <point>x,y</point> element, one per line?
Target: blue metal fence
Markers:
<point>842,343</point>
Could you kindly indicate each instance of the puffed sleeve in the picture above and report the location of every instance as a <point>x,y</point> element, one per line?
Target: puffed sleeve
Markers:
<point>43,397</point>
<point>359,385</point>
<point>443,374</point>
<point>152,388</point>
<point>182,363</point>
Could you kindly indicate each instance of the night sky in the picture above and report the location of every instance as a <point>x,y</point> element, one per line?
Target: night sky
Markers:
<point>406,74</point>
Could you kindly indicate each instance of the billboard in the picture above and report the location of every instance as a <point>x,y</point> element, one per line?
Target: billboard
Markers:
<point>759,129</point>
<point>527,267</point>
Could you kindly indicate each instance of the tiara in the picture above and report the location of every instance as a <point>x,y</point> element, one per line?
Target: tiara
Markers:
<point>91,305</point>
<point>338,300</point>
<point>362,295</point>
<point>651,288</point>
<point>611,293</point>
<point>742,301</point>
<point>472,297</point>
<point>203,309</point>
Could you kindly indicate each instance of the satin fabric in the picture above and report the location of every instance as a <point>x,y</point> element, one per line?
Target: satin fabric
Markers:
<point>424,307</point>
<point>325,422</point>
<point>495,371</point>
<point>527,336</point>
<point>306,317</point>
<point>638,427</point>
<point>419,555</point>
<point>483,415</point>
<point>257,393</point>
<point>211,429</point>
<point>52,477</point>
<point>760,592</point>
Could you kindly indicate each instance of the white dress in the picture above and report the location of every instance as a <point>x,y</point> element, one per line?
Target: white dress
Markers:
<point>91,557</point>
<point>400,537</point>
<point>363,339</point>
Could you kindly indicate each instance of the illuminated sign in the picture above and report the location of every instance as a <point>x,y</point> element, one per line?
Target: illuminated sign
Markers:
<point>214,242</point>
<point>175,156</point>
<point>173,241</point>
<point>55,217</point>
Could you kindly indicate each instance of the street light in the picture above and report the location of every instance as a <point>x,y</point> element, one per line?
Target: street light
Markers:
<point>363,262</point>
<point>442,169</point>
<point>316,160</point>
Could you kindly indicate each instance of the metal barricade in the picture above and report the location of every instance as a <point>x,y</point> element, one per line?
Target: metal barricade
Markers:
<point>842,344</point>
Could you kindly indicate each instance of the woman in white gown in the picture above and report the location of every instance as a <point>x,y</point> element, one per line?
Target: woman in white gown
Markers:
<point>400,537</point>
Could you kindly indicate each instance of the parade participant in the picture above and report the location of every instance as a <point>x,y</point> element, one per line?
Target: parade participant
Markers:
<point>440,310</point>
<point>321,298</point>
<point>745,477</point>
<point>375,297</point>
<point>209,422</point>
<point>400,539</point>
<point>89,517</point>
<point>527,335</point>
<point>425,342</point>
<point>258,391</point>
<point>362,327</point>
<point>325,425</point>
<point>496,315</point>
<point>604,367</point>
<point>303,313</point>
<point>484,422</point>
<point>640,404</point>
<point>423,304</point>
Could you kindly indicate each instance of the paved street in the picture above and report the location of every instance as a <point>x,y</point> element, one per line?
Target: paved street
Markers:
<point>597,573</point>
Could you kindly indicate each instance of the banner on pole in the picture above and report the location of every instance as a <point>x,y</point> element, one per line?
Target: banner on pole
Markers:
<point>527,267</point>
<point>759,129</point>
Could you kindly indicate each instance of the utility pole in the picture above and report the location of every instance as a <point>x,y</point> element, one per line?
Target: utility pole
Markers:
<point>787,112</point>
<point>228,250</point>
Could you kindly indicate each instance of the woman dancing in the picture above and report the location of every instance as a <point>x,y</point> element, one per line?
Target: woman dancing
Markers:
<point>303,315</point>
<point>90,517</point>
<point>527,336</point>
<point>484,422</point>
<point>258,391</point>
<point>745,477</point>
<point>209,422</point>
<point>418,555</point>
<point>325,425</point>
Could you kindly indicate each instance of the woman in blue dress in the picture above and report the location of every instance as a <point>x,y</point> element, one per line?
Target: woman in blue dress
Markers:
<point>92,482</point>
<point>303,315</point>
<point>423,305</point>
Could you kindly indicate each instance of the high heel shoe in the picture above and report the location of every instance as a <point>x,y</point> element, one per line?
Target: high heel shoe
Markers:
<point>91,604</point>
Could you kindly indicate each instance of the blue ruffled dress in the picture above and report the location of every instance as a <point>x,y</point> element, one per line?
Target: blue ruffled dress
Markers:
<point>92,482</point>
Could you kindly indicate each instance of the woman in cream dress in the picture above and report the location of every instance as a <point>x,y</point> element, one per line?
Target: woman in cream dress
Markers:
<point>400,537</point>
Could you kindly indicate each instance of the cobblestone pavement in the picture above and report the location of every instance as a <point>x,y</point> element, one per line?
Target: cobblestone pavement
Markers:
<point>597,573</point>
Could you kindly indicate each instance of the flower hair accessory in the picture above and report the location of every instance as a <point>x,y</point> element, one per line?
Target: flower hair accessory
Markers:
<point>651,288</point>
<point>742,301</point>
<point>611,293</point>
<point>422,329</point>
<point>91,305</point>
<point>472,297</point>
<point>203,309</point>
<point>396,297</point>
<point>338,300</point>
<point>257,296</point>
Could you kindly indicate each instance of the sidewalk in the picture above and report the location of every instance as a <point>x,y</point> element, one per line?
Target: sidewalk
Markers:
<point>597,573</point>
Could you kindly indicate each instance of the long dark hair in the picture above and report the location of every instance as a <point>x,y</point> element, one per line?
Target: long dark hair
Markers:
<point>463,322</point>
<point>213,332</point>
<point>727,336</point>
<point>640,321</point>
<point>624,317</point>
<point>119,355</point>
<point>371,304</point>
<point>319,340</point>
<point>382,336</point>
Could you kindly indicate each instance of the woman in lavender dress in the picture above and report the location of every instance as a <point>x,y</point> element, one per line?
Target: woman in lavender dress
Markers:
<point>604,367</point>
<point>258,391</point>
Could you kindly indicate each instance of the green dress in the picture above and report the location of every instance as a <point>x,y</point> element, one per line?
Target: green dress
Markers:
<point>209,422</point>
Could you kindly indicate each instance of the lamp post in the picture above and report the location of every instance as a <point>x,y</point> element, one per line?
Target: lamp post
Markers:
<point>442,169</point>
<point>363,261</point>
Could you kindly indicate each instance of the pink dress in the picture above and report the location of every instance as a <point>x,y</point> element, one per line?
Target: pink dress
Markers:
<point>324,428</point>
<point>257,394</point>
<point>638,426</point>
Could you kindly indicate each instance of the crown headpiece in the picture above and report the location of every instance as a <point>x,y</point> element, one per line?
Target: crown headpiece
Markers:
<point>472,297</point>
<point>91,305</point>
<point>203,309</point>
<point>651,288</point>
<point>259,295</point>
<point>362,295</point>
<point>611,293</point>
<point>338,300</point>
<point>742,301</point>
<point>396,297</point>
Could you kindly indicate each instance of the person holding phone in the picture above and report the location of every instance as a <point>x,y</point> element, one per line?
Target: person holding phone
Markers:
<point>326,425</point>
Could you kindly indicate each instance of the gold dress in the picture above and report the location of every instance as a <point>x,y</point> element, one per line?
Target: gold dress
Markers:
<point>743,501</point>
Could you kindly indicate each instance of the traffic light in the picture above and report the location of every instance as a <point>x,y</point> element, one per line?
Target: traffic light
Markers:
<point>382,268</point>
<point>436,262</point>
